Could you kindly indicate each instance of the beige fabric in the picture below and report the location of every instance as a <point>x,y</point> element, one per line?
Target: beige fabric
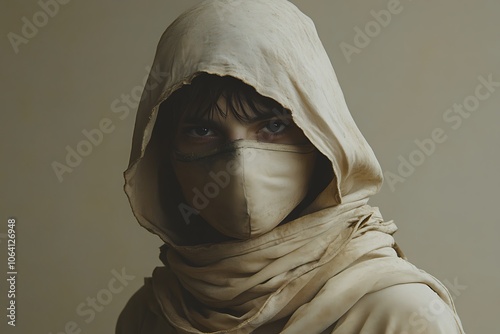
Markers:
<point>318,273</point>
<point>225,186</point>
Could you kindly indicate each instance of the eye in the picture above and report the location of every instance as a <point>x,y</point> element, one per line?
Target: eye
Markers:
<point>275,126</point>
<point>200,131</point>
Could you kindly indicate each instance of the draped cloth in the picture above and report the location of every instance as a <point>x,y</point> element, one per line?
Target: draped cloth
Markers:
<point>305,276</point>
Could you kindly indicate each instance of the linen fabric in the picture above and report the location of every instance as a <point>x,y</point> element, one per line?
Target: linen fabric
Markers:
<point>336,268</point>
<point>225,185</point>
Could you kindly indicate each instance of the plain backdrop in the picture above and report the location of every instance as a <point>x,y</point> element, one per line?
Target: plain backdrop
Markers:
<point>76,233</point>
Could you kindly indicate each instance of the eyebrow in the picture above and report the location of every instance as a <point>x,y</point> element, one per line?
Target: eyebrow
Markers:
<point>267,115</point>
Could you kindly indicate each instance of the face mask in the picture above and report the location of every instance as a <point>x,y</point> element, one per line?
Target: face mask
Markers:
<point>246,188</point>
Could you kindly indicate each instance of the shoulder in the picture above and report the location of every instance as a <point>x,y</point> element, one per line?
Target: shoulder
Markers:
<point>133,314</point>
<point>139,316</point>
<point>404,309</point>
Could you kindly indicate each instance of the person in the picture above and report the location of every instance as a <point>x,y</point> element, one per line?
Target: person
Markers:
<point>248,165</point>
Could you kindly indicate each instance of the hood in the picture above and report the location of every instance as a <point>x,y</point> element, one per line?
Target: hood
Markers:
<point>273,47</point>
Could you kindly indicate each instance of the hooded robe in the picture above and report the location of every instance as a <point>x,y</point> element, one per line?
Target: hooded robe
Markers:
<point>336,268</point>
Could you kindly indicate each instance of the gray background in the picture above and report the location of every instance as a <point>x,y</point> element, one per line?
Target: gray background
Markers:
<point>72,234</point>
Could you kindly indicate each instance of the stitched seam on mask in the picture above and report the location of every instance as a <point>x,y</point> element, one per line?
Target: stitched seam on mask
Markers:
<point>299,149</point>
<point>245,193</point>
<point>308,148</point>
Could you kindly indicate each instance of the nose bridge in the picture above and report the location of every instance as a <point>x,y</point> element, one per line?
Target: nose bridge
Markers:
<point>234,127</point>
<point>237,131</point>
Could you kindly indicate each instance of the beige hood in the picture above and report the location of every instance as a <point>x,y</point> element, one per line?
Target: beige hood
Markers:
<point>273,47</point>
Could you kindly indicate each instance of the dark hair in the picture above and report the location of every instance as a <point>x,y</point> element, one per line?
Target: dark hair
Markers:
<point>201,98</point>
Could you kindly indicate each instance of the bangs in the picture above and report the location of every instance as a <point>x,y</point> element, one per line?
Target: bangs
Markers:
<point>201,99</point>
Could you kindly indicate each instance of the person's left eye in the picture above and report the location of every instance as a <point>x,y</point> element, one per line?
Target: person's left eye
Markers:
<point>275,126</point>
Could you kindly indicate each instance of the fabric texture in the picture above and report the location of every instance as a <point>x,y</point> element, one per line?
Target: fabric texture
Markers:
<point>233,178</point>
<point>333,269</point>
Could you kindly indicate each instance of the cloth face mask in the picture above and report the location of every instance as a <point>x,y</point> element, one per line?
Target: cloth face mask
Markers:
<point>247,188</point>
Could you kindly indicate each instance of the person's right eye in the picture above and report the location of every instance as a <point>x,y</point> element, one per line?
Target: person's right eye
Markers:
<point>200,131</point>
